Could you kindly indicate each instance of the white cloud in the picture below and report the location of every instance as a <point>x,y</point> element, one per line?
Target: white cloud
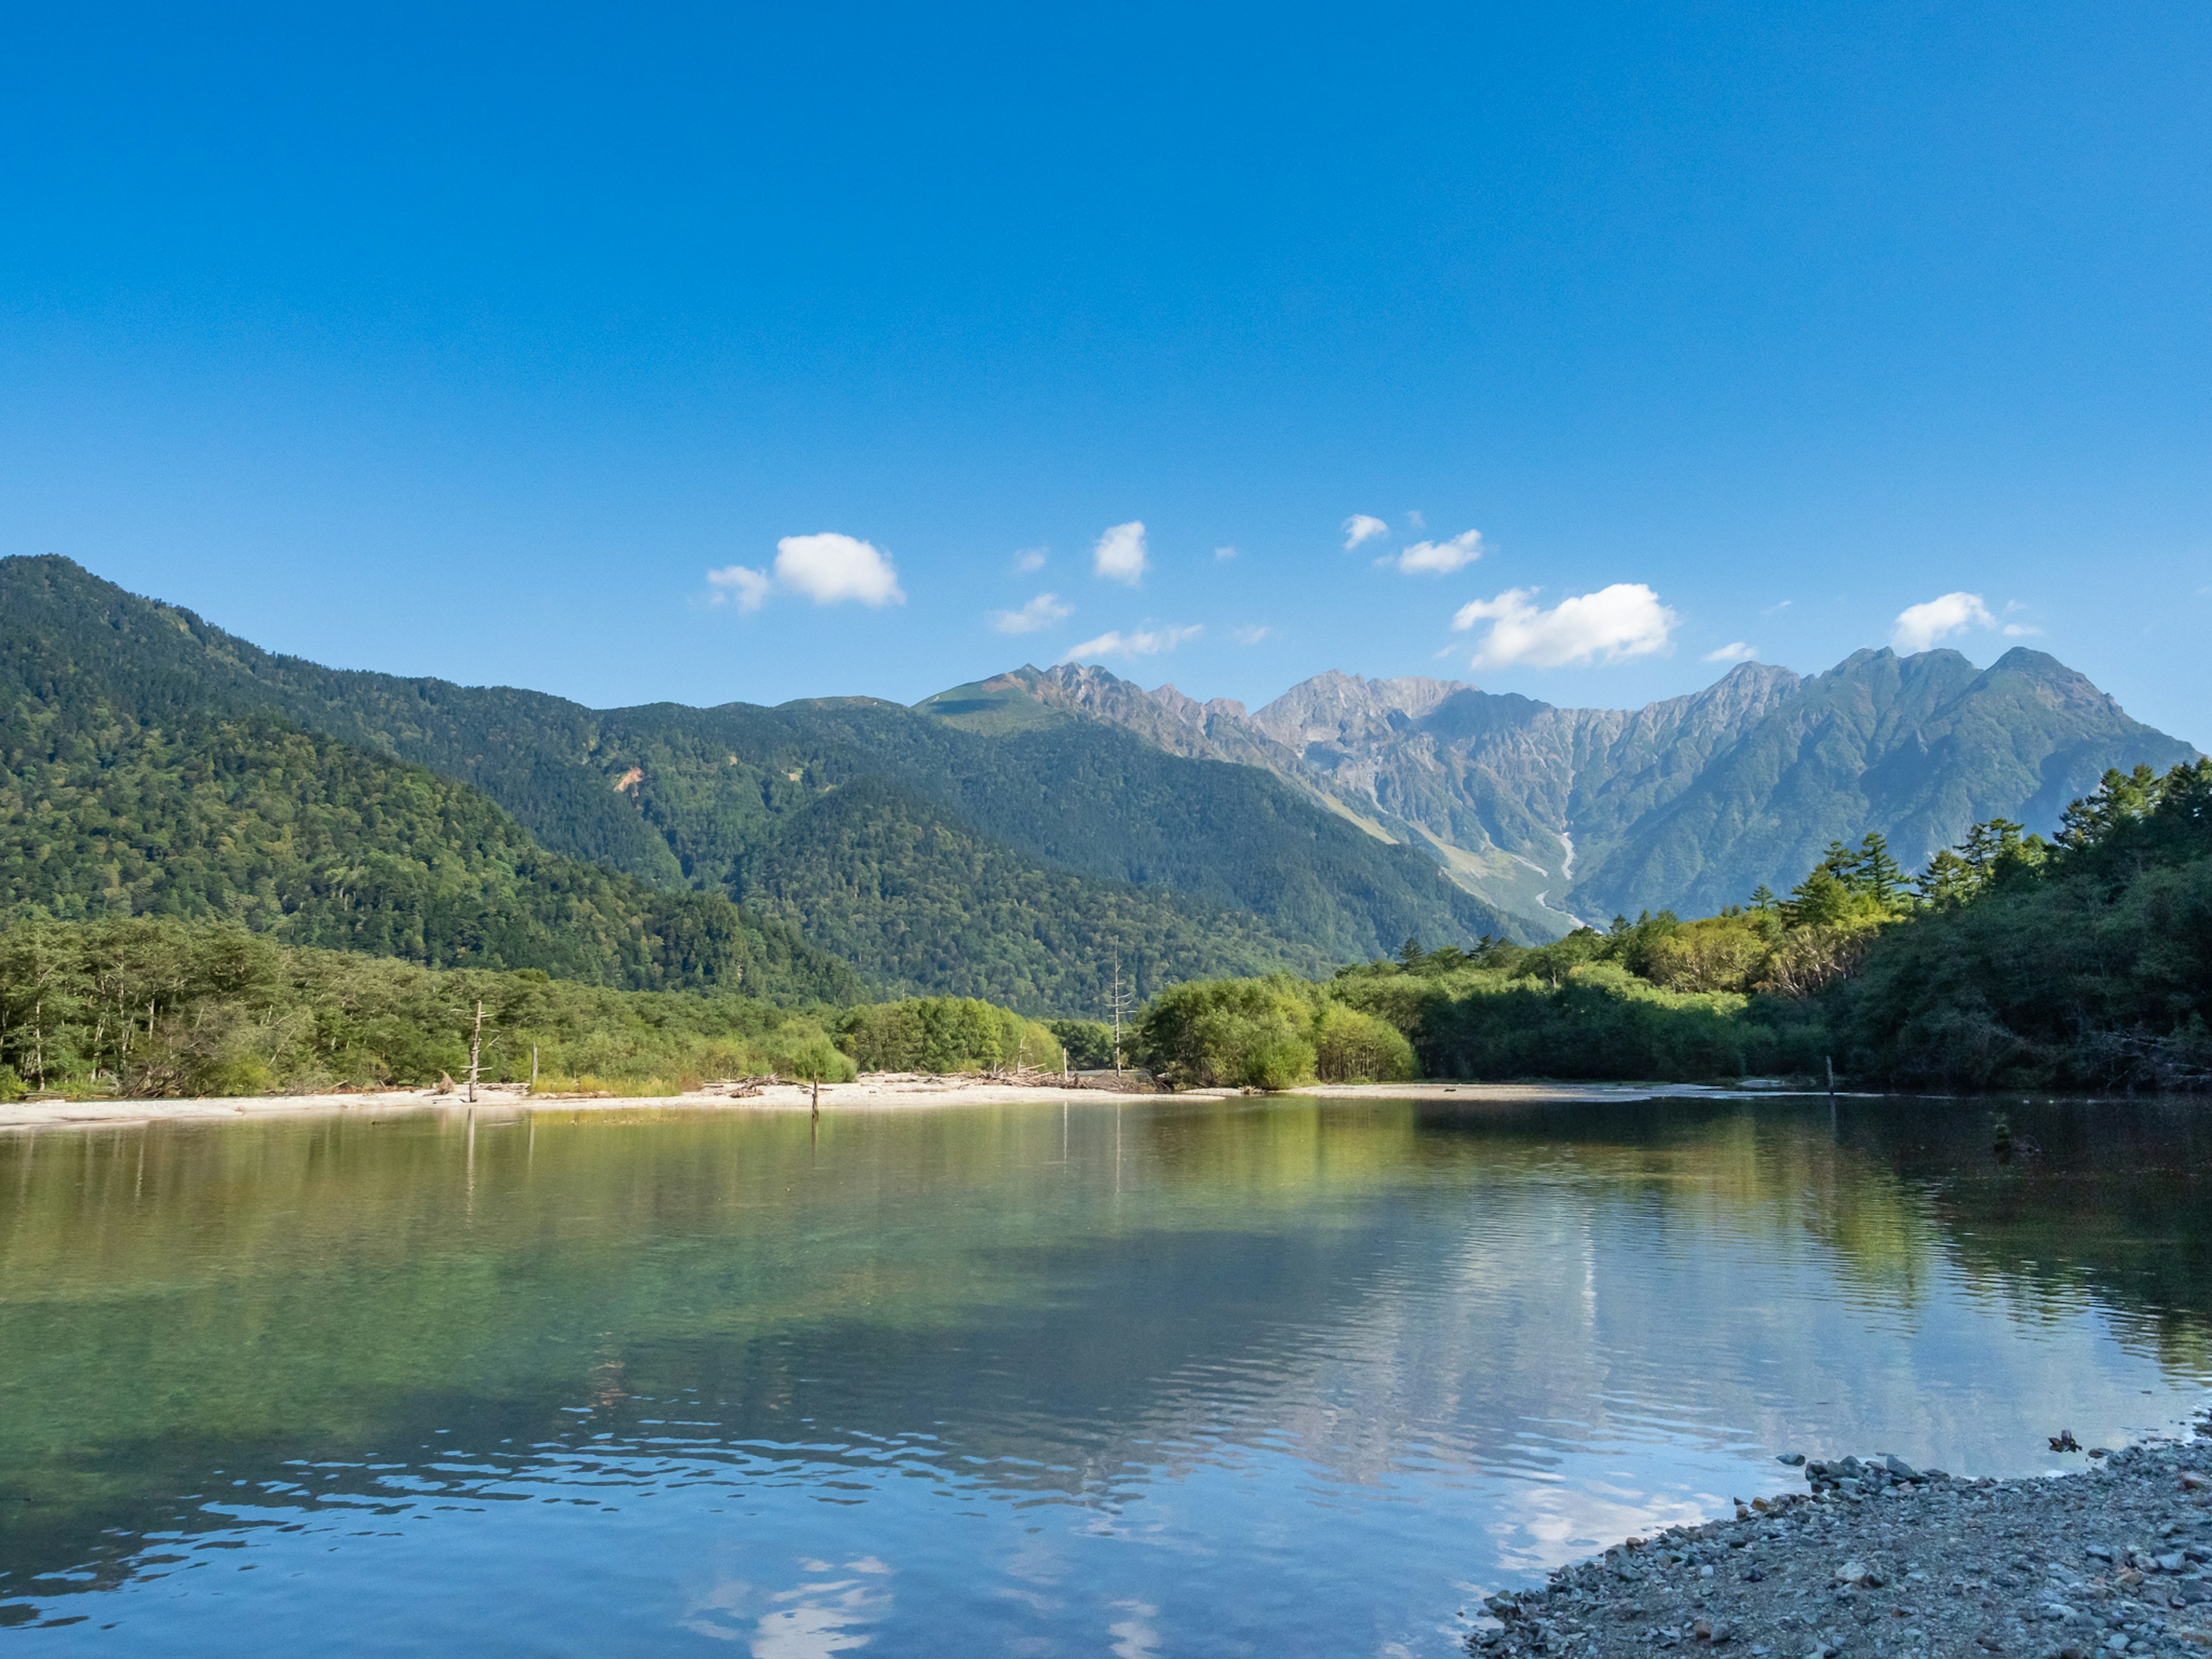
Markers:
<point>1441,558</point>
<point>1771,608</point>
<point>1919,626</point>
<point>1361,527</point>
<point>1738,652</point>
<point>1119,555</point>
<point>829,568</point>
<point>1616,623</point>
<point>2021,631</point>
<point>1031,558</point>
<point>748,588</point>
<point>1148,641</point>
<point>1042,611</point>
<point>1249,635</point>
<point>1224,552</point>
<point>1413,518</point>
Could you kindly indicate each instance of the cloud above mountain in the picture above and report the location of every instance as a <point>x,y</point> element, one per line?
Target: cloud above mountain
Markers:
<point>1120,555</point>
<point>1040,612</point>
<point>1150,640</point>
<point>1611,625</point>
<point>1918,627</point>
<point>1441,558</point>
<point>738,585</point>
<point>1737,651</point>
<point>828,569</point>
<point>1361,527</point>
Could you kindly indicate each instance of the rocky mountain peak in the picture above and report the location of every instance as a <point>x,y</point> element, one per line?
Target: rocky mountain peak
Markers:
<point>1331,707</point>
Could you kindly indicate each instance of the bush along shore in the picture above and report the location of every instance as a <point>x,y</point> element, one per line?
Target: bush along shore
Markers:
<point>1882,1558</point>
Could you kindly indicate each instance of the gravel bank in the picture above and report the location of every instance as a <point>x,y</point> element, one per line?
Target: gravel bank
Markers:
<point>1879,1559</point>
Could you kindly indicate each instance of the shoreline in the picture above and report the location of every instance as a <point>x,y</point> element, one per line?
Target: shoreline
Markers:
<point>871,1092</point>
<point>1880,1558</point>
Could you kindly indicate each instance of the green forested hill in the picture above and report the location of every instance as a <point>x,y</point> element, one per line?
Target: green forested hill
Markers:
<point>1085,799</point>
<point>882,877</point>
<point>63,630</point>
<point>1236,870</point>
<point>302,836</point>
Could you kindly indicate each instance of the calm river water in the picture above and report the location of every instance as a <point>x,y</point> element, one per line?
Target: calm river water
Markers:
<point>1273,1377</point>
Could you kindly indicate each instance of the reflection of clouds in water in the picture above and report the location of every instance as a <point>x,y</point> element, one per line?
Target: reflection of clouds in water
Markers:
<point>1037,1564</point>
<point>1543,1523</point>
<point>820,1617</point>
<point>1135,1637</point>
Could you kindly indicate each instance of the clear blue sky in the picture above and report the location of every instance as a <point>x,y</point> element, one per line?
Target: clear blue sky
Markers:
<point>469,342</point>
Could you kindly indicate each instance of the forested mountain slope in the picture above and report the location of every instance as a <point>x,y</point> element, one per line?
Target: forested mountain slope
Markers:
<point>1234,870</point>
<point>1686,804</point>
<point>251,821</point>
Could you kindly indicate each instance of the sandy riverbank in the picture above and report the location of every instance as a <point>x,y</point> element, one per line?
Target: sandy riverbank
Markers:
<point>874,1092</point>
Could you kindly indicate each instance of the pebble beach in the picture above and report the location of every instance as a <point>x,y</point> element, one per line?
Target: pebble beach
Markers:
<point>1878,1558</point>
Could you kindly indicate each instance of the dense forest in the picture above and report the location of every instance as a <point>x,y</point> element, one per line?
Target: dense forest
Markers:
<point>299,835</point>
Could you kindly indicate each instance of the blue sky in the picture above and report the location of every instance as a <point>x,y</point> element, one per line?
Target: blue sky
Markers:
<point>470,342</point>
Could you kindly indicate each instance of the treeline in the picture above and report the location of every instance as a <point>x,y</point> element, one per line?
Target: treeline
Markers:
<point>2086,964</point>
<point>153,1008</point>
<point>2082,961</point>
<point>149,1007</point>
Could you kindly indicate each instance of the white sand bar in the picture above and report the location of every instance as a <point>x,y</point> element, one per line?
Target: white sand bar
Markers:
<point>877,1092</point>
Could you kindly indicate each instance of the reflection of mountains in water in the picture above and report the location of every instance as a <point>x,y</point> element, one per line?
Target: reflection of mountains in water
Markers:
<point>965,1293</point>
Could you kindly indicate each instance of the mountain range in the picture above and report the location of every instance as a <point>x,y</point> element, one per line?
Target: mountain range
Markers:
<point>1023,838</point>
<point>1557,816</point>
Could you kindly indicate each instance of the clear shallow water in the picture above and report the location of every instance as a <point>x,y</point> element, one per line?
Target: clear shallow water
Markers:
<point>1277,1377</point>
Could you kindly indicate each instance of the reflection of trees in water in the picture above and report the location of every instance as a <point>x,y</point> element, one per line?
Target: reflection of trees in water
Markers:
<point>1329,1279</point>
<point>2113,1202</point>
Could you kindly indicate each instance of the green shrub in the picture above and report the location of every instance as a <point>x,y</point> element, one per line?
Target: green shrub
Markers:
<point>1222,1033</point>
<point>1351,1046</point>
<point>945,1034</point>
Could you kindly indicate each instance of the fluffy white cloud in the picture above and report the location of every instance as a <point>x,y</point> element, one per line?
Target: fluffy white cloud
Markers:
<point>1359,527</point>
<point>1042,611</point>
<point>829,568</point>
<point>748,589</point>
<point>1031,558</point>
<point>1442,558</point>
<point>1249,635</point>
<point>2021,631</point>
<point>1224,552</point>
<point>1919,626</point>
<point>1119,555</point>
<point>1738,652</point>
<point>1149,642</point>
<point>1622,621</point>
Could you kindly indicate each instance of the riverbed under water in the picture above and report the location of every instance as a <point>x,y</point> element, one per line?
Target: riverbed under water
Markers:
<point>1278,1376</point>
